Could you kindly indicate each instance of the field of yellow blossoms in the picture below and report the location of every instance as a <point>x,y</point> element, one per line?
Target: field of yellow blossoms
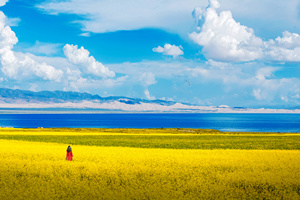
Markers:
<point>38,170</point>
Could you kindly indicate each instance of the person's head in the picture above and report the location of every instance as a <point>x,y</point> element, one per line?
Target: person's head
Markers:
<point>69,149</point>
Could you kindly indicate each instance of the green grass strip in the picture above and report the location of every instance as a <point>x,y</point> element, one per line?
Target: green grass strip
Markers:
<point>263,142</point>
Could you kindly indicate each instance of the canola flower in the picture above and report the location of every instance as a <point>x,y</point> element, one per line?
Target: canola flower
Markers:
<point>37,170</point>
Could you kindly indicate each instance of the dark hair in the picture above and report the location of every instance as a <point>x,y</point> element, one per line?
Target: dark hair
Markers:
<point>69,149</point>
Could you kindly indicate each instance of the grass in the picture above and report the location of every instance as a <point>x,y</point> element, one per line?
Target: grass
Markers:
<point>156,138</point>
<point>187,141</point>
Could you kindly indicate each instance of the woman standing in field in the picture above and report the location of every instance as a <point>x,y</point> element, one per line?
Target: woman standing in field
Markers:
<point>69,154</point>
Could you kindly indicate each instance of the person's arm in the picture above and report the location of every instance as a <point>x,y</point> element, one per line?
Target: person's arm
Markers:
<point>72,156</point>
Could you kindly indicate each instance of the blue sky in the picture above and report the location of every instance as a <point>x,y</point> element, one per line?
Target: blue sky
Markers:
<point>226,52</point>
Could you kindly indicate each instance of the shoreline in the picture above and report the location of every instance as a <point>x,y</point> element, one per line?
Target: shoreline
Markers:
<point>141,131</point>
<point>4,112</point>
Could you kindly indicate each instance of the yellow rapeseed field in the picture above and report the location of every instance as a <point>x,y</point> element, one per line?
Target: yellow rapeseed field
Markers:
<point>37,170</point>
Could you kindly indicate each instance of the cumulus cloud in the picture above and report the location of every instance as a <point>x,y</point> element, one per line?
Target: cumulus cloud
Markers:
<point>169,50</point>
<point>17,65</point>
<point>224,39</point>
<point>81,57</point>
<point>7,37</point>
<point>20,66</point>
<point>76,78</point>
<point>285,48</point>
<point>214,4</point>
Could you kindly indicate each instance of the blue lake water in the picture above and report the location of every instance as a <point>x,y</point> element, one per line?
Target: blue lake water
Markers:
<point>222,122</point>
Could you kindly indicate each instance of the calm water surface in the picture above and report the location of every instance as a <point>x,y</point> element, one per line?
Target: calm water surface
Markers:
<point>222,122</point>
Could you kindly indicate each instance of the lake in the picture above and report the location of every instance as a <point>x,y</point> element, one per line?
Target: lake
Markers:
<point>219,121</point>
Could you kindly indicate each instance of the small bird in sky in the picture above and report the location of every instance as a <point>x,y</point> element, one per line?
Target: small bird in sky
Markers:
<point>187,82</point>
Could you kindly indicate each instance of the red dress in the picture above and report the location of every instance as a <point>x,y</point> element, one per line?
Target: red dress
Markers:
<point>69,155</point>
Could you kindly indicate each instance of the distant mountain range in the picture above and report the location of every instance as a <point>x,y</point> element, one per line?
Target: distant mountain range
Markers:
<point>20,101</point>
<point>12,96</point>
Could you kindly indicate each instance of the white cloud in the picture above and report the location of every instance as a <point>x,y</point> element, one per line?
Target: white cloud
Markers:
<point>83,84</point>
<point>231,79</point>
<point>148,96</point>
<point>3,2</point>
<point>76,78</point>
<point>257,94</point>
<point>224,39</point>
<point>17,65</point>
<point>214,4</point>
<point>286,48</point>
<point>265,72</point>
<point>235,81</point>
<point>148,78</point>
<point>12,21</point>
<point>166,69</point>
<point>109,16</point>
<point>223,82</point>
<point>43,48</point>
<point>21,66</point>
<point>247,81</point>
<point>7,36</point>
<point>169,50</point>
<point>213,63</point>
<point>81,57</point>
<point>86,34</point>
<point>284,98</point>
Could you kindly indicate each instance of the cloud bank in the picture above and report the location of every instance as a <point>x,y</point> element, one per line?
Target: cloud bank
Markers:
<point>109,16</point>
